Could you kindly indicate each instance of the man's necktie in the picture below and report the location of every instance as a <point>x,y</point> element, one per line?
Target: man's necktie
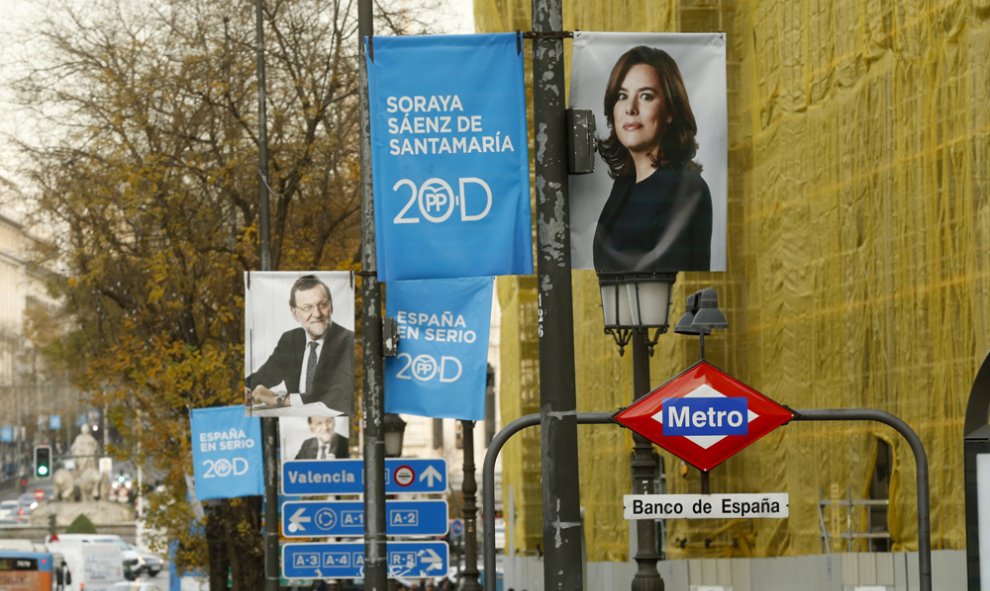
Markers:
<point>324,451</point>
<point>311,367</point>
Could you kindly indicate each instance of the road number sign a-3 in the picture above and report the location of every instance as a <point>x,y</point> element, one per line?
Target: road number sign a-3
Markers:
<point>704,416</point>
<point>449,156</point>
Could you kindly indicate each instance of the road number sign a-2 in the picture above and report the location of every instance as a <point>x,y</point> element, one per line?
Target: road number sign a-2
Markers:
<point>704,416</point>
<point>449,156</point>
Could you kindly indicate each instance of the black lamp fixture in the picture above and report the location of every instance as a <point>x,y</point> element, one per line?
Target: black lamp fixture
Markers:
<point>635,301</point>
<point>701,315</point>
<point>395,429</point>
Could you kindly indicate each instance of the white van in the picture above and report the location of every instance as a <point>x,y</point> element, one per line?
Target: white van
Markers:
<point>95,563</point>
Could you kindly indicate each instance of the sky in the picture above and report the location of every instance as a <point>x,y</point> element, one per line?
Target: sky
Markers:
<point>17,30</point>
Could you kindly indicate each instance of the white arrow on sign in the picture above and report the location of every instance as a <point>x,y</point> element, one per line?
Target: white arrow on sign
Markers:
<point>431,475</point>
<point>433,560</point>
<point>297,520</point>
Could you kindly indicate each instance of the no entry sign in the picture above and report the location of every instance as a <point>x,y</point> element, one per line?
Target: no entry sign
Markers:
<point>704,416</point>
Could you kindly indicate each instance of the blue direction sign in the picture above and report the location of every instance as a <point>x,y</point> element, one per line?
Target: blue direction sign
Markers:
<point>329,477</point>
<point>304,519</point>
<point>346,560</point>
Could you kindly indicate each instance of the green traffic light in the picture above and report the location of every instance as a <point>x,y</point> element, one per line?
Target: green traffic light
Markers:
<point>42,461</point>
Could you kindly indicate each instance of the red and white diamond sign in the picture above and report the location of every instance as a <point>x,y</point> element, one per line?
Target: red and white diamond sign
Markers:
<point>703,416</point>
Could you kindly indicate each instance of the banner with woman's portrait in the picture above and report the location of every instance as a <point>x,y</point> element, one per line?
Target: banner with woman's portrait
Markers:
<point>657,199</point>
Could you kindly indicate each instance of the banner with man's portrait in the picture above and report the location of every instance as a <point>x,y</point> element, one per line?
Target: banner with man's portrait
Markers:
<point>657,201</point>
<point>299,343</point>
<point>314,438</point>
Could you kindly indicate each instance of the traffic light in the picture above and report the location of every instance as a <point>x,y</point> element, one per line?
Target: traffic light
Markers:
<point>42,461</point>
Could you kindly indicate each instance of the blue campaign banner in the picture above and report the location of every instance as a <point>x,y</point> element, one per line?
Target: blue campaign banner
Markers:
<point>226,449</point>
<point>6,434</point>
<point>55,422</point>
<point>341,477</point>
<point>449,156</point>
<point>307,519</point>
<point>441,368</point>
<point>346,560</point>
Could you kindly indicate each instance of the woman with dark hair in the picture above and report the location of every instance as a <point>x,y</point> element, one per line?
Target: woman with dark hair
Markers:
<point>658,217</point>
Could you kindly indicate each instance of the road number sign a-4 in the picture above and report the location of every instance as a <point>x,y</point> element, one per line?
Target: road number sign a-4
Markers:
<point>704,416</point>
<point>346,560</point>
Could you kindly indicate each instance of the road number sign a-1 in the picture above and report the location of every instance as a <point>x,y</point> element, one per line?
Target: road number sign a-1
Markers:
<point>307,519</point>
<point>725,506</point>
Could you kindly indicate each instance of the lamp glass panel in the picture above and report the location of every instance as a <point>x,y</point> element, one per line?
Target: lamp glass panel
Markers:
<point>393,443</point>
<point>613,316</point>
<point>983,513</point>
<point>654,302</point>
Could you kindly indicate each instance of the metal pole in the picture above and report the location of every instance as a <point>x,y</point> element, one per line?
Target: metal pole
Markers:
<point>269,425</point>
<point>266,256</point>
<point>488,477</point>
<point>562,537</point>
<point>375,550</point>
<point>921,468</point>
<point>469,490</point>
<point>644,474</point>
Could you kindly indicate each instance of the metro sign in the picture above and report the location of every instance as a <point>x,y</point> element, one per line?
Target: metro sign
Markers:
<point>703,416</point>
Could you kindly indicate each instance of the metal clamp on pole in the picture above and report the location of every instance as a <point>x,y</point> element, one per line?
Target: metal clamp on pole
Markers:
<point>390,337</point>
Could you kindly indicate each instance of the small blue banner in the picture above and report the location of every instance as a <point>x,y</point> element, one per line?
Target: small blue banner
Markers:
<point>346,560</point>
<point>340,477</point>
<point>6,434</point>
<point>306,519</point>
<point>449,156</point>
<point>705,416</point>
<point>227,456</point>
<point>441,368</point>
<point>55,422</point>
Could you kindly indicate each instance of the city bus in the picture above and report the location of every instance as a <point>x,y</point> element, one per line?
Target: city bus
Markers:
<point>22,570</point>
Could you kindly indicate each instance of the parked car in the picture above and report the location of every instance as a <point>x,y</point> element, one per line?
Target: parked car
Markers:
<point>26,503</point>
<point>44,492</point>
<point>151,563</point>
<point>134,586</point>
<point>8,509</point>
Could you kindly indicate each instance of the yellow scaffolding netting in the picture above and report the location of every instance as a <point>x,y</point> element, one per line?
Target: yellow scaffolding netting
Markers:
<point>858,273</point>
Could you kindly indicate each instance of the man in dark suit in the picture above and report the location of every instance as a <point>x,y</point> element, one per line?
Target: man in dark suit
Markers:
<point>314,362</point>
<point>326,444</point>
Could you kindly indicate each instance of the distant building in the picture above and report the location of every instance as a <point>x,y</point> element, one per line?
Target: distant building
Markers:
<point>31,394</point>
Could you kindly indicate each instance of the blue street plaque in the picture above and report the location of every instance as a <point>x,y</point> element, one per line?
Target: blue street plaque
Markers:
<point>305,519</point>
<point>328,477</point>
<point>456,528</point>
<point>346,560</point>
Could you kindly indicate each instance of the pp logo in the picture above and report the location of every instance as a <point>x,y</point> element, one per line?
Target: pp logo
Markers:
<point>436,200</point>
<point>425,368</point>
<point>222,468</point>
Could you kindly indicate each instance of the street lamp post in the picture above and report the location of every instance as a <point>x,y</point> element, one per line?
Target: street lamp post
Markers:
<point>469,488</point>
<point>633,305</point>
